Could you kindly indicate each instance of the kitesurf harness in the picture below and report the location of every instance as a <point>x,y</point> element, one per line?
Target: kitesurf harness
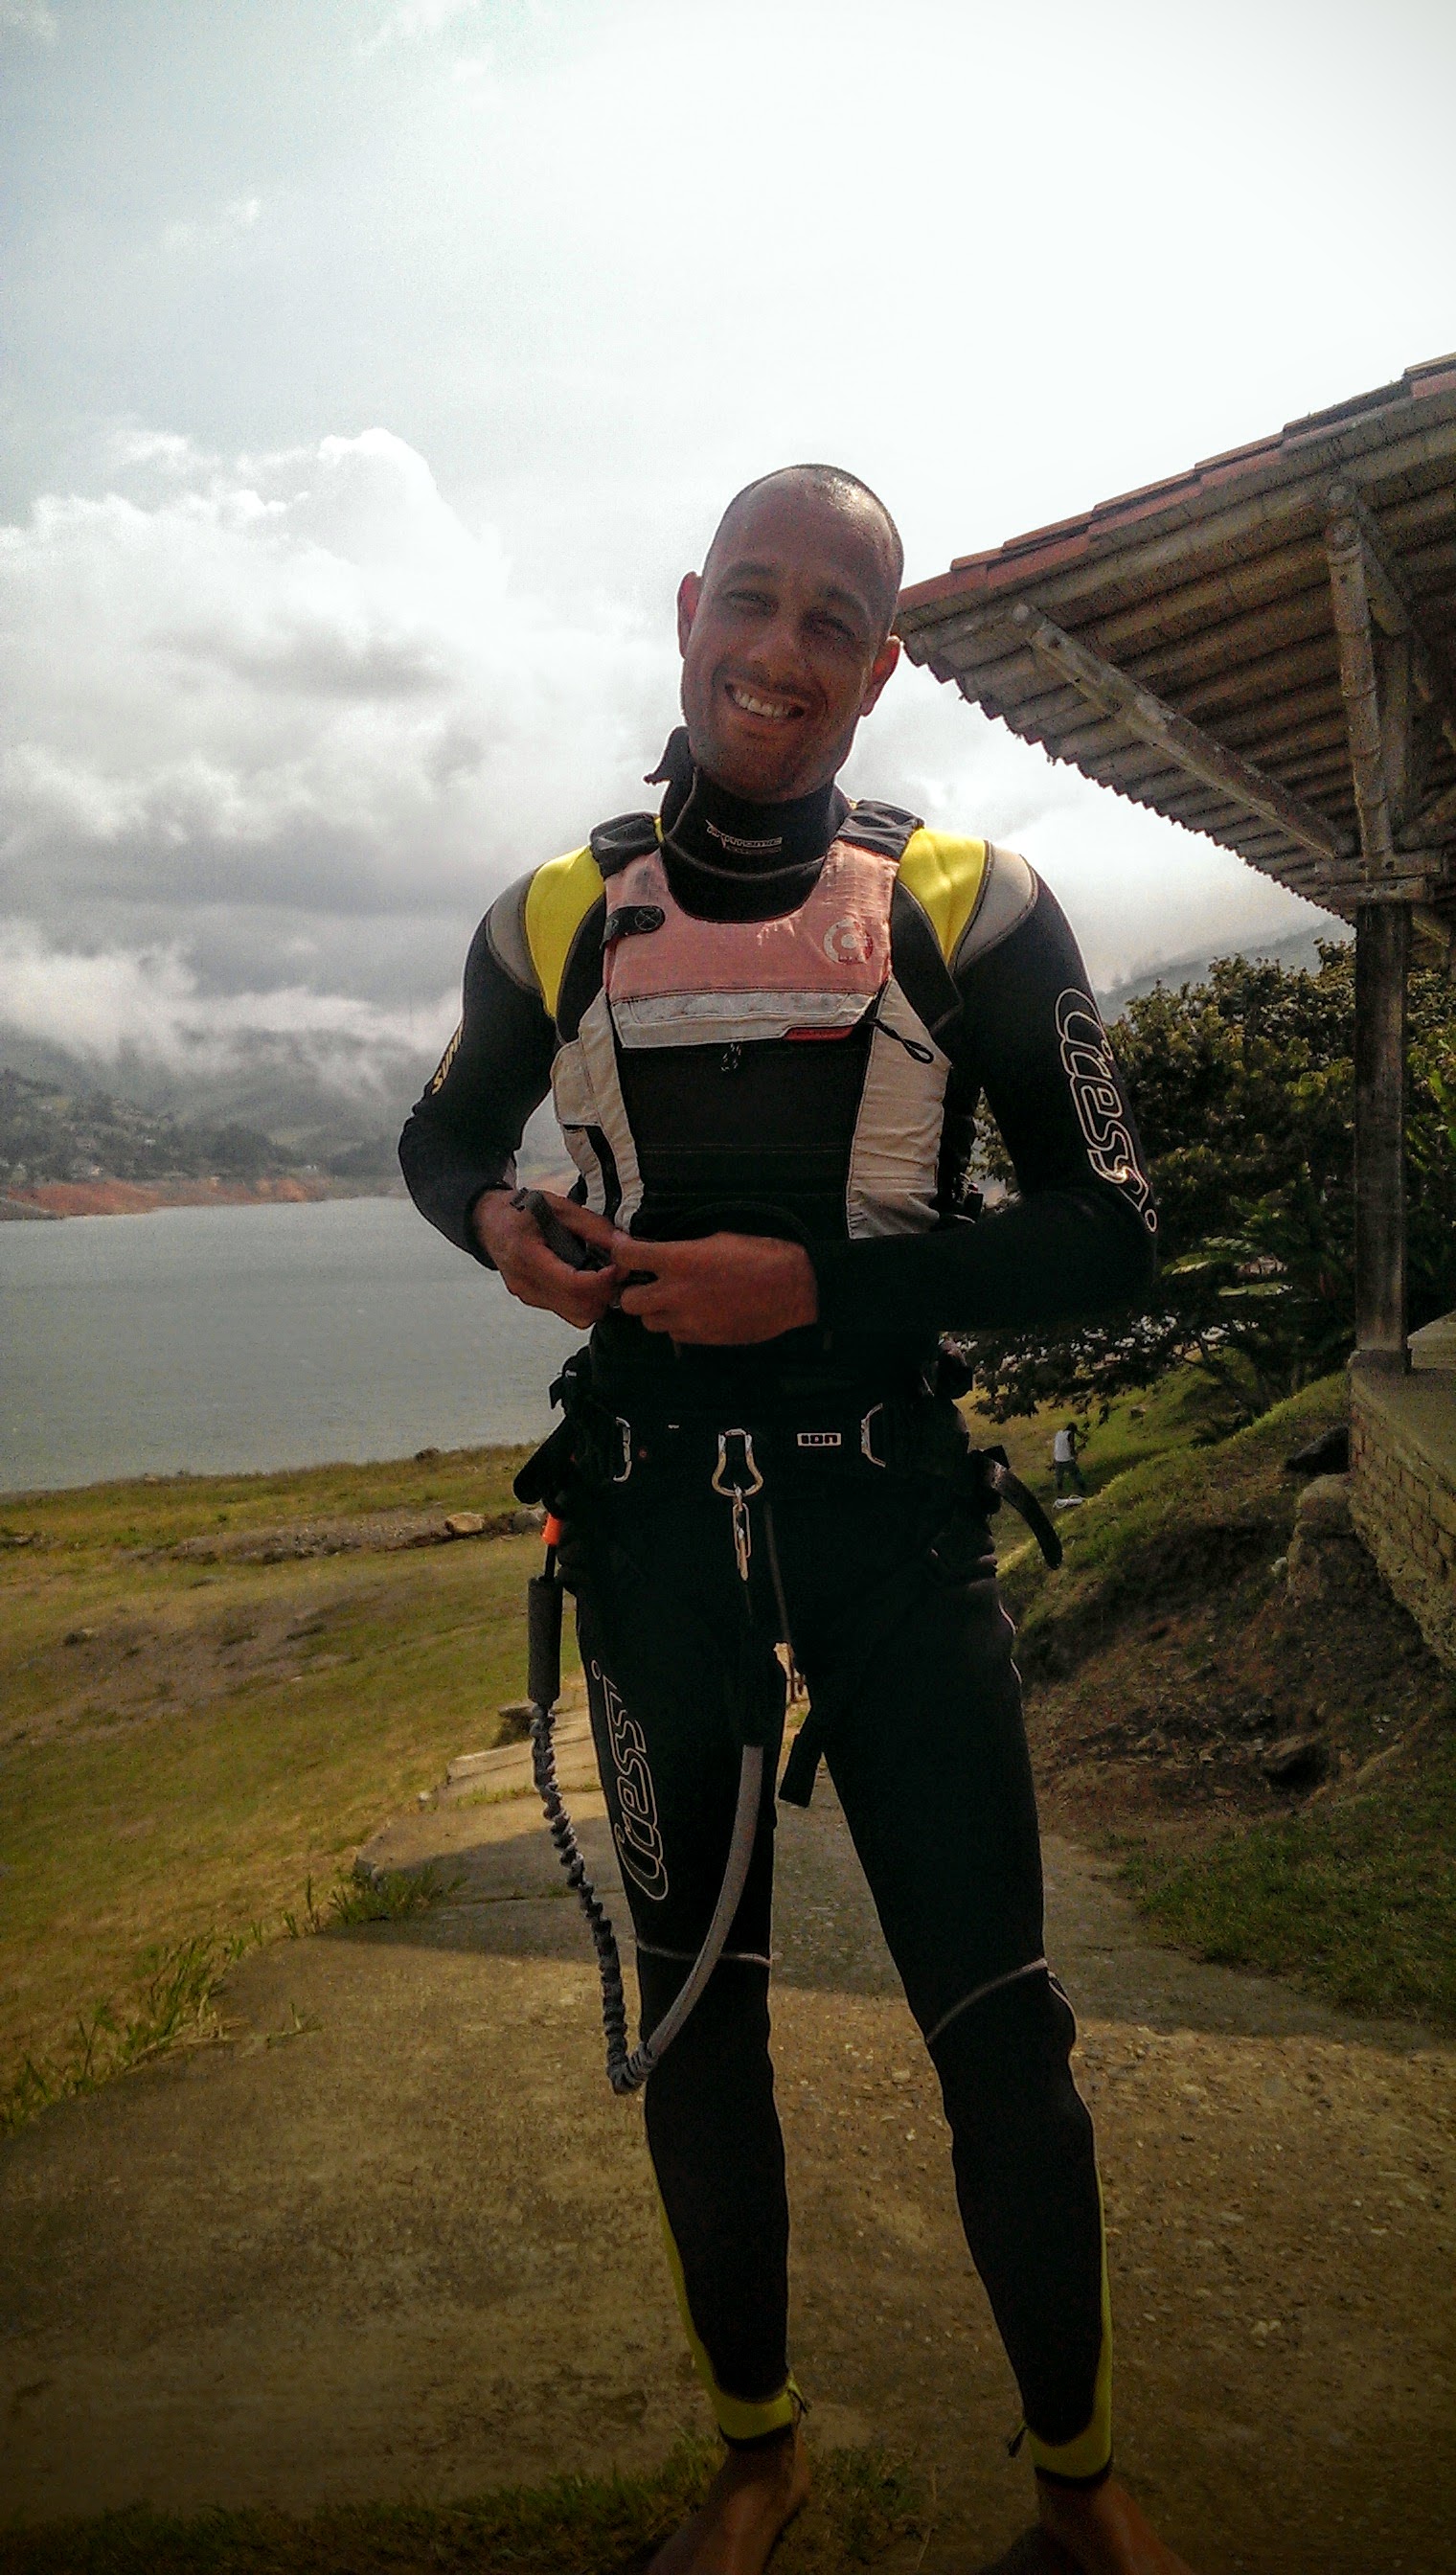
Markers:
<point>596,1447</point>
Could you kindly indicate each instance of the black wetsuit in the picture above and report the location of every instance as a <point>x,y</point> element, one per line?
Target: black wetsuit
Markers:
<point>884,1580</point>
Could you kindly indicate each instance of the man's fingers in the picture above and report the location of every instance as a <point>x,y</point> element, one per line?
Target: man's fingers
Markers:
<point>592,1229</point>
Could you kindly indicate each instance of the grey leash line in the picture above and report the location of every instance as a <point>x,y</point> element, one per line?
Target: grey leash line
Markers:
<point>626,2070</point>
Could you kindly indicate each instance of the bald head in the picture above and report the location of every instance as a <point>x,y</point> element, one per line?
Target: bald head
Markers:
<point>826,486</point>
<point>786,633</point>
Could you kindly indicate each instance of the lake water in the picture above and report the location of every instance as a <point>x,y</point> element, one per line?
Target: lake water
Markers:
<point>224,1338</point>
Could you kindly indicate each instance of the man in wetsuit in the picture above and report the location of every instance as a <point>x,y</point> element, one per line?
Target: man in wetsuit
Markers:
<point>768,1017</point>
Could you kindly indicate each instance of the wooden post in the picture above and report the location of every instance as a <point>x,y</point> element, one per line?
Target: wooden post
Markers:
<point>1382,956</point>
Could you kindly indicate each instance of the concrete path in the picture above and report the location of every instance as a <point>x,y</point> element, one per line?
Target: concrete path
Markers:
<point>395,2237</point>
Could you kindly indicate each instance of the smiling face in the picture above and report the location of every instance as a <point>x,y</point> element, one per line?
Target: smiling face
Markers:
<point>784,639</point>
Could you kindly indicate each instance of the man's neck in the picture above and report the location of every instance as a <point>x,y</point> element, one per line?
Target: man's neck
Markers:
<point>707,825</point>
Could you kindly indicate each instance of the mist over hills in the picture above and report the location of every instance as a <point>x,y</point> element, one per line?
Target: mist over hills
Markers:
<point>271,1083</point>
<point>1298,955</point>
<point>340,1107</point>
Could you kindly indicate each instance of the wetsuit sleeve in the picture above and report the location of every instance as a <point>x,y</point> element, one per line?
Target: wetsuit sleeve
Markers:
<point>462,1136</point>
<point>1077,1238</point>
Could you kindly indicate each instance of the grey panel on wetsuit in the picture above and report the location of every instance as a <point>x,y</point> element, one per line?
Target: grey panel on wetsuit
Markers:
<point>506,934</point>
<point>1007,895</point>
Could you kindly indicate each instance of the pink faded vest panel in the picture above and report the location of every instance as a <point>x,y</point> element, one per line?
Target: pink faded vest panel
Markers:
<point>810,973</point>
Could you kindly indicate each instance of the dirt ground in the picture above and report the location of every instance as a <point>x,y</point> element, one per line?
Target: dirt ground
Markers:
<point>395,2238</point>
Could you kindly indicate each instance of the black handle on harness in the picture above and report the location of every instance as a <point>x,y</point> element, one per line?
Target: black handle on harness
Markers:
<point>558,1237</point>
<point>544,1638</point>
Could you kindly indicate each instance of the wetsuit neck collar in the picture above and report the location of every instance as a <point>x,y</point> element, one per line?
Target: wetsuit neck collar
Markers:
<point>723,834</point>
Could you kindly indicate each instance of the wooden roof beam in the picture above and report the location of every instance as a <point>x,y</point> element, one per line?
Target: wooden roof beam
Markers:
<point>1185,745</point>
<point>1395,611</point>
<point>1349,564</point>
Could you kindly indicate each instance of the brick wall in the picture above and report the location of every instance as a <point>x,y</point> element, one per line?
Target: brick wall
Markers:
<point>1403,1491</point>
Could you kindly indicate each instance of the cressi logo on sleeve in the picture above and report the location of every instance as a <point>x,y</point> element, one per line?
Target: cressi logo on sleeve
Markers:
<point>1086,1060</point>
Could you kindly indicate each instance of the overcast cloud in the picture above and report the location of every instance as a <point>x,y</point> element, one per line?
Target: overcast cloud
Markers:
<point>377,368</point>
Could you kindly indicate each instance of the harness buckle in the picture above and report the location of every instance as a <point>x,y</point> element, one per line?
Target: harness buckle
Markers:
<point>624,1437</point>
<point>739,1495</point>
<point>737,1492</point>
<point>867,1438</point>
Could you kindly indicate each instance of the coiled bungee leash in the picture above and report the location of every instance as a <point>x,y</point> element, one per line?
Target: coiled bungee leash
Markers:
<point>626,2070</point>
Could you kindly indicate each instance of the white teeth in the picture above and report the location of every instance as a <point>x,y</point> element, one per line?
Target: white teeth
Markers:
<point>758,705</point>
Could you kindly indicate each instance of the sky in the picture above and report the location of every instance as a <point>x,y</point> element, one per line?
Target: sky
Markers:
<point>372,370</point>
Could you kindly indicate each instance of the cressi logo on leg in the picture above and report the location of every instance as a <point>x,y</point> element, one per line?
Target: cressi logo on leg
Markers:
<point>639,1840</point>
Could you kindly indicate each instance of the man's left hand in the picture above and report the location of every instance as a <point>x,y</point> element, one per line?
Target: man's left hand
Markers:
<point>725,1289</point>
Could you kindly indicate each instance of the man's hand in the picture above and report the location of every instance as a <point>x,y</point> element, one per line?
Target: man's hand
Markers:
<point>513,1240</point>
<point>726,1290</point>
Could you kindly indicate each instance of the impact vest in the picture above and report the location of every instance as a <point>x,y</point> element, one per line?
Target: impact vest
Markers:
<point>758,1068</point>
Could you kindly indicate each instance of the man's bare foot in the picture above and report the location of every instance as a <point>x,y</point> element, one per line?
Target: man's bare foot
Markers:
<point>753,2498</point>
<point>1103,2532</point>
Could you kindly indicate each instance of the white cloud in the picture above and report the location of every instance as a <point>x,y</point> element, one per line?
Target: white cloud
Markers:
<point>415,19</point>
<point>149,1000</point>
<point>217,231</point>
<point>29,18</point>
<point>301,683</point>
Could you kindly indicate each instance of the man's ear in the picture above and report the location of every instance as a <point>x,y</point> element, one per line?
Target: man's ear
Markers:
<point>689,591</point>
<point>880,670</point>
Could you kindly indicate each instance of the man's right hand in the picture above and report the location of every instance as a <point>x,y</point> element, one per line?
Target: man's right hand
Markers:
<point>513,1242</point>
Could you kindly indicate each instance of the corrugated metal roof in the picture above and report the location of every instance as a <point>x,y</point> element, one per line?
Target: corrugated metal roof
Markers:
<point>1179,643</point>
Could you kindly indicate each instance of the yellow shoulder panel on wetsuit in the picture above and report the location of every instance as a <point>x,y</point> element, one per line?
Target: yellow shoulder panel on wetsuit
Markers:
<point>562,893</point>
<point>946,878</point>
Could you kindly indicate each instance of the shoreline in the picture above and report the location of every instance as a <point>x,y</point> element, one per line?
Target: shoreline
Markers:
<point>51,1202</point>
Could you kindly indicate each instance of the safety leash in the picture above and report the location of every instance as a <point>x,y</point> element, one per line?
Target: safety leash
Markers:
<point>627,2071</point>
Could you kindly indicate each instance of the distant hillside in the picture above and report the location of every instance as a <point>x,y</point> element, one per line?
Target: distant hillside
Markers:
<point>50,1132</point>
<point>1299,954</point>
<point>271,1084</point>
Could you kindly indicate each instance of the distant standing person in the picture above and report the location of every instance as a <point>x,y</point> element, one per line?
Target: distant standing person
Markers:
<point>1064,1458</point>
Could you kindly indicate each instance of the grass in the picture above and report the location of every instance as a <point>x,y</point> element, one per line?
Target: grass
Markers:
<point>176,2003</point>
<point>863,2502</point>
<point>1353,1899</point>
<point>1165,1516</point>
<point>1184,1411</point>
<point>215,1736</point>
<point>177,1988</point>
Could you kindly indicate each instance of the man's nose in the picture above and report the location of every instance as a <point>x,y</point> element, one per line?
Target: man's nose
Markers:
<point>778,651</point>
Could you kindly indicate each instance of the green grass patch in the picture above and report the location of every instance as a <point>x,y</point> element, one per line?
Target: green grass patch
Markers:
<point>175,2001</point>
<point>175,1998</point>
<point>1155,1522</point>
<point>182,1748</point>
<point>1186,1410</point>
<point>862,2505</point>
<point>396,1895</point>
<point>1354,1899</point>
<point>160,1511</point>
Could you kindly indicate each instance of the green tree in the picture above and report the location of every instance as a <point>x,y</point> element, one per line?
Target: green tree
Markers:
<point>1244,1091</point>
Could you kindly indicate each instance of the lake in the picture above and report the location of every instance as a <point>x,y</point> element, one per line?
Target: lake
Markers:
<point>228,1339</point>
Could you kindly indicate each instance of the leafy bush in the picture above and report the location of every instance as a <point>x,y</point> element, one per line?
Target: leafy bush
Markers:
<point>1244,1091</point>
